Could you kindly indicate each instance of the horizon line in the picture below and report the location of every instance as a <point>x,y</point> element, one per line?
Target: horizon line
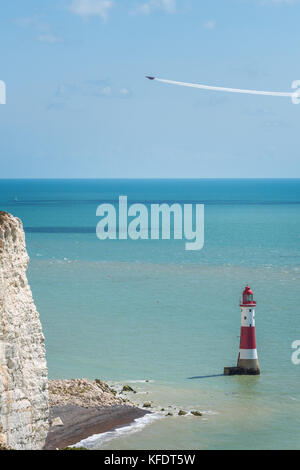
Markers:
<point>150,178</point>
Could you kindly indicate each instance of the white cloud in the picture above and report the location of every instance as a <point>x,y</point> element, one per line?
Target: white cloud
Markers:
<point>49,38</point>
<point>106,91</point>
<point>210,24</point>
<point>26,21</point>
<point>42,29</point>
<point>87,8</point>
<point>278,2</point>
<point>70,95</point>
<point>124,92</point>
<point>114,92</point>
<point>169,6</point>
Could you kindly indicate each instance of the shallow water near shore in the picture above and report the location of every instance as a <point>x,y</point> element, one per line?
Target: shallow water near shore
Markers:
<point>164,320</point>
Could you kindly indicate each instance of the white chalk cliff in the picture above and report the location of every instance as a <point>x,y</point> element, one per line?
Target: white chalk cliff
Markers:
<point>23,370</point>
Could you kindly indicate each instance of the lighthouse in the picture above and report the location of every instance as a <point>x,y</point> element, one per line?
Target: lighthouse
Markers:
<point>247,363</point>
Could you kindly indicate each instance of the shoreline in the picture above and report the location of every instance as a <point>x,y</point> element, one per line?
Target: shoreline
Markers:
<point>80,423</point>
<point>82,408</point>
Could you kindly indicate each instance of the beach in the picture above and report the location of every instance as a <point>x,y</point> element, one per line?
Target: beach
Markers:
<point>81,423</point>
<point>81,408</point>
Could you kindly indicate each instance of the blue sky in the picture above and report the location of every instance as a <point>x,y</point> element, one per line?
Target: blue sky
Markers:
<point>78,105</point>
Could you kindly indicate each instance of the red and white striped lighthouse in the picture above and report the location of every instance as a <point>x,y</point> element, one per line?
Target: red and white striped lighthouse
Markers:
<point>248,359</point>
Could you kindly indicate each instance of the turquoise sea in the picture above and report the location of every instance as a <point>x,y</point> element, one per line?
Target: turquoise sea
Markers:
<point>166,320</point>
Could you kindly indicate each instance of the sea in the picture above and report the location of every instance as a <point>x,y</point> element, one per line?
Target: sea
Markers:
<point>164,320</point>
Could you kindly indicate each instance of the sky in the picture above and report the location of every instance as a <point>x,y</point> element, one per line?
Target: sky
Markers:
<point>79,106</point>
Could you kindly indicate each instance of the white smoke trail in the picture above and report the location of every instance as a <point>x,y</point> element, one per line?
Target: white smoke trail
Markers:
<point>229,90</point>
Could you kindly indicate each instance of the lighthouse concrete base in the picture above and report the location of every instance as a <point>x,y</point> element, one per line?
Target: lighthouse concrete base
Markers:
<point>240,371</point>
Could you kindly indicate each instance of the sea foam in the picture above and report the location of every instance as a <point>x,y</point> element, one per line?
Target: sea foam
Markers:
<point>96,441</point>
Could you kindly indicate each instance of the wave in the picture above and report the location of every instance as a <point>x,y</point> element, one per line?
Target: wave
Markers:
<point>98,440</point>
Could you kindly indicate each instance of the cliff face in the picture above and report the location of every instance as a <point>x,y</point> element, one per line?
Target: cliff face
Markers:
<point>23,370</point>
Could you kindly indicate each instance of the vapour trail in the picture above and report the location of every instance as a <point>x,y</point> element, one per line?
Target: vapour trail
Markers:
<point>229,90</point>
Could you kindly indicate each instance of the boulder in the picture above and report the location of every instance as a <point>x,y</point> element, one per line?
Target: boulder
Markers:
<point>57,422</point>
<point>127,388</point>
<point>196,413</point>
